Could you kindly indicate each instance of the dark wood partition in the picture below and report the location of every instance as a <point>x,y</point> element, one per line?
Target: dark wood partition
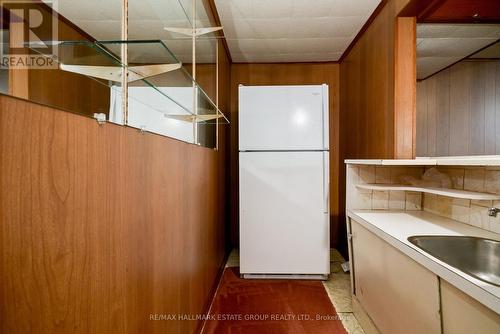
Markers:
<point>102,227</point>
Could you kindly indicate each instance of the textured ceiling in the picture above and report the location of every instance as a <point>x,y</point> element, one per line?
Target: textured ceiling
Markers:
<point>440,45</point>
<point>491,52</point>
<point>256,30</point>
<point>147,18</point>
<point>291,30</point>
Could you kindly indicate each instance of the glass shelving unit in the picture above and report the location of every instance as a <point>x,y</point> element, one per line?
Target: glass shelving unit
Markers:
<point>161,74</point>
<point>163,96</point>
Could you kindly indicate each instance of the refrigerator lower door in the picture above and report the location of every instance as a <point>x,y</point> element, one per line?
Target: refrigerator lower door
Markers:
<point>284,219</point>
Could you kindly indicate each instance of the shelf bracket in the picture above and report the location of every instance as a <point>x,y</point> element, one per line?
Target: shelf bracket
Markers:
<point>100,118</point>
<point>111,73</point>
<point>193,32</point>
<point>114,73</point>
<point>193,118</point>
<point>146,71</point>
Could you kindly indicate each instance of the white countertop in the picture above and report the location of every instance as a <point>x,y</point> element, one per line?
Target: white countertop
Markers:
<point>396,226</point>
<point>392,162</point>
<point>490,160</point>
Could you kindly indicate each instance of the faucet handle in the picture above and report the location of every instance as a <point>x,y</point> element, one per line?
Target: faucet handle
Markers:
<point>492,212</point>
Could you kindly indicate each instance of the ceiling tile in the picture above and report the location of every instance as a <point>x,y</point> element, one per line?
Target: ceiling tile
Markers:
<point>259,45</point>
<point>270,28</point>
<point>451,46</point>
<point>490,52</point>
<point>440,30</point>
<point>306,9</point>
<point>234,9</point>
<point>319,45</point>
<point>353,7</point>
<point>430,65</point>
<point>101,30</point>
<point>146,29</point>
<point>237,27</point>
<point>285,57</point>
<point>327,26</point>
<point>256,30</point>
<point>271,9</point>
<point>441,45</point>
<point>90,10</point>
<point>292,30</point>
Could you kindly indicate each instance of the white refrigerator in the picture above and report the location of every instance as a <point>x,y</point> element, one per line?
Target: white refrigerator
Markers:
<point>284,182</point>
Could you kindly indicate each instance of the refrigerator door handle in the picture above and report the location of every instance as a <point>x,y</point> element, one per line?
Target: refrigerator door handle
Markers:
<point>326,183</point>
<point>326,127</point>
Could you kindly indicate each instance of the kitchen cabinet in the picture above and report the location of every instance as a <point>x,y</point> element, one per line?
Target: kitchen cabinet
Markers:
<point>464,315</point>
<point>396,293</point>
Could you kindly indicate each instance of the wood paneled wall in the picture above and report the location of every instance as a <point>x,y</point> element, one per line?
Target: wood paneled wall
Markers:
<point>458,111</point>
<point>287,74</point>
<point>102,226</point>
<point>61,89</point>
<point>367,85</point>
<point>368,104</point>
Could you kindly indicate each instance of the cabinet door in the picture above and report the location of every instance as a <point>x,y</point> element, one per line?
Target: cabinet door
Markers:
<point>398,294</point>
<point>462,314</point>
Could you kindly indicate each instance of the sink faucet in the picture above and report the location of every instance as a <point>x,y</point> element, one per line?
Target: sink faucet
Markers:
<point>492,212</point>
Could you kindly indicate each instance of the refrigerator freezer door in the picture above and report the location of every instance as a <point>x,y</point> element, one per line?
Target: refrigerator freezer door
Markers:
<point>283,225</point>
<point>274,118</point>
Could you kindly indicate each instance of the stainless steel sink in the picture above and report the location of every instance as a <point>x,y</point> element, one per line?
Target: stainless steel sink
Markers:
<point>477,257</point>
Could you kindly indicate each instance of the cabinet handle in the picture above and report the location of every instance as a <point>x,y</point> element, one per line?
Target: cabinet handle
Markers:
<point>326,183</point>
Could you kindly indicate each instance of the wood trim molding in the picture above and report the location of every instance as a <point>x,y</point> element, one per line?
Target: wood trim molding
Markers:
<point>405,88</point>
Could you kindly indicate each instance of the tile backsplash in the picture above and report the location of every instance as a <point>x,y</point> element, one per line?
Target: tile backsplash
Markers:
<point>382,200</point>
<point>472,212</point>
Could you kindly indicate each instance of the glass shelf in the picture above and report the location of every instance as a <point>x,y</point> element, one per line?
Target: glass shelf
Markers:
<point>151,64</point>
<point>143,53</point>
<point>77,53</point>
<point>165,53</point>
<point>163,97</point>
